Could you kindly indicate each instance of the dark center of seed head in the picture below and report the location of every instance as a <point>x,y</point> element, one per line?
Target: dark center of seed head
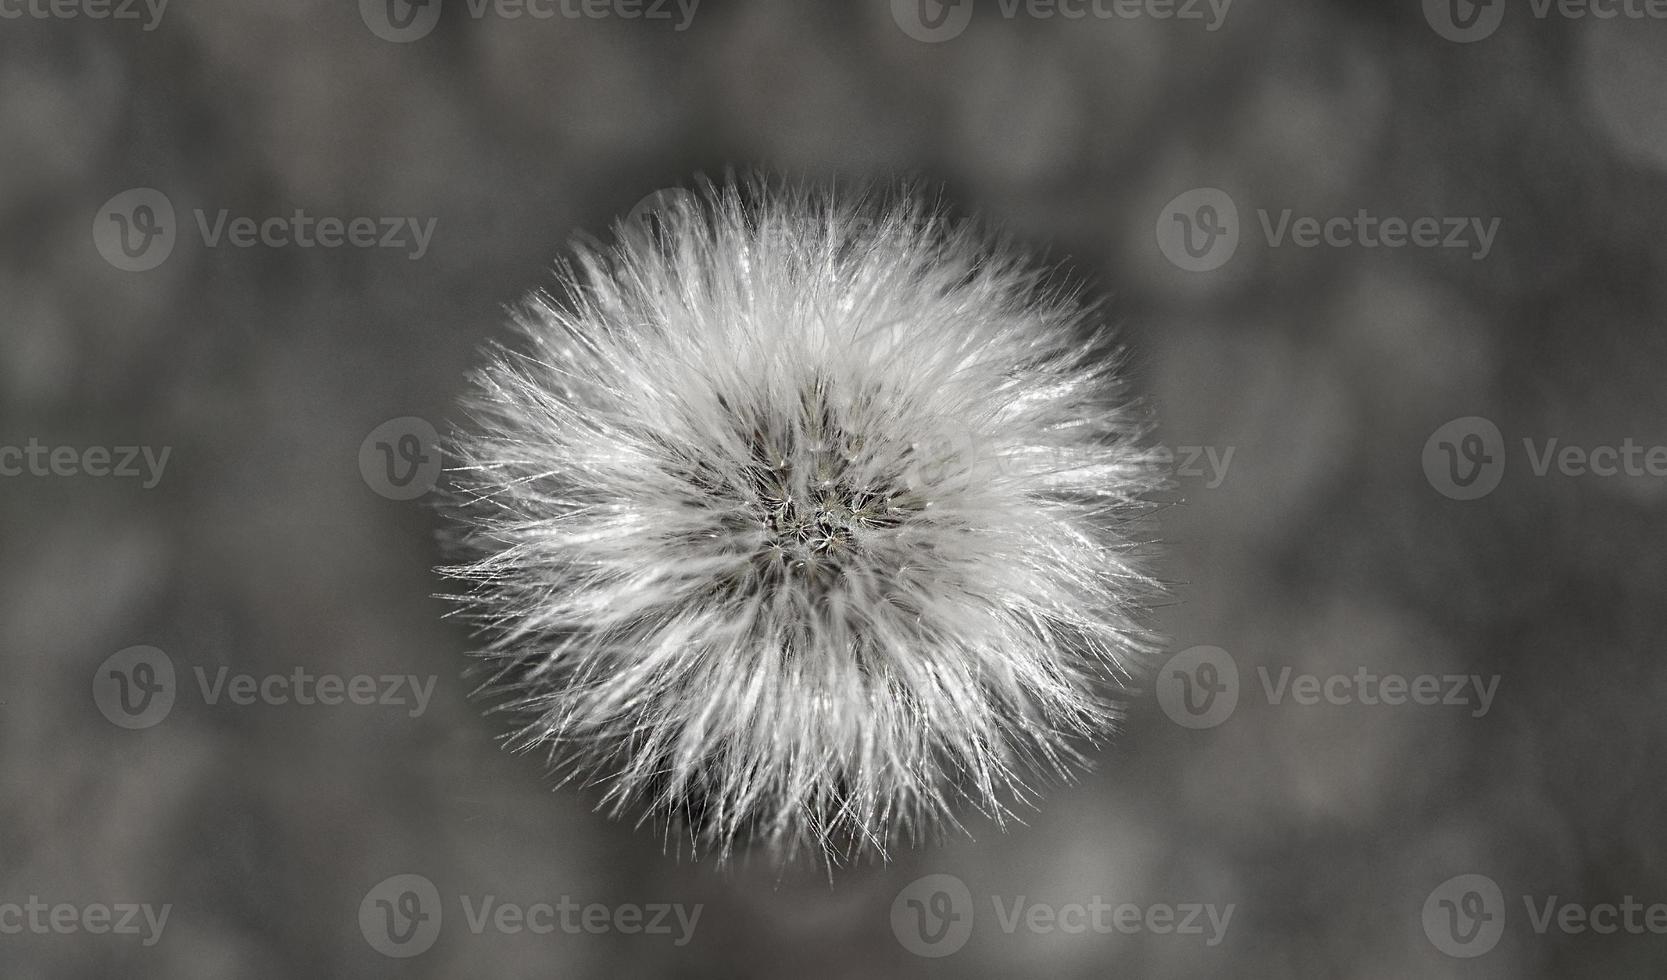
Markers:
<point>813,522</point>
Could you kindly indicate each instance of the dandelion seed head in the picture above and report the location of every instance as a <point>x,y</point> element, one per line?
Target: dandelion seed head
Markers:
<point>805,521</point>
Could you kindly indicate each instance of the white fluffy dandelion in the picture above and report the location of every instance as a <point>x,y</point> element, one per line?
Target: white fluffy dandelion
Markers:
<point>804,521</point>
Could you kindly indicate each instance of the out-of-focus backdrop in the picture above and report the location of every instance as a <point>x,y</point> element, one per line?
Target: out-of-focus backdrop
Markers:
<point>1393,280</point>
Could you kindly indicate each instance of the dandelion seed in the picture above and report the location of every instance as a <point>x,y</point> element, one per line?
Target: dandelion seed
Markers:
<point>805,522</point>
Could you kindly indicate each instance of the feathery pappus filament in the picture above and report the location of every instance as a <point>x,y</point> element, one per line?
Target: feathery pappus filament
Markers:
<point>804,519</point>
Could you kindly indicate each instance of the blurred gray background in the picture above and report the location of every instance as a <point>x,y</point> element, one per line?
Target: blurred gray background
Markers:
<point>1325,547</point>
